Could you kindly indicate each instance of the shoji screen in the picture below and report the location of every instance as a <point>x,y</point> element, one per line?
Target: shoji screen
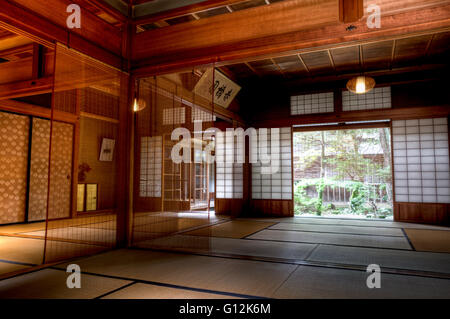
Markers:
<point>421,161</point>
<point>378,98</point>
<point>14,130</point>
<point>312,103</point>
<point>229,173</point>
<point>279,184</point>
<point>151,164</point>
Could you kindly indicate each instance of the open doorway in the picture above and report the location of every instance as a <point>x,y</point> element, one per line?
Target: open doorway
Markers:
<point>343,172</point>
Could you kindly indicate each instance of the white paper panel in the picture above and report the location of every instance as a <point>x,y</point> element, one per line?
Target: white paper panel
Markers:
<point>172,116</point>
<point>421,160</point>
<point>312,103</point>
<point>378,98</point>
<point>200,115</point>
<point>277,185</point>
<point>229,173</point>
<point>150,166</point>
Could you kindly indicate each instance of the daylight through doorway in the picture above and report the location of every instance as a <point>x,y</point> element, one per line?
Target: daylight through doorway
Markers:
<point>343,173</point>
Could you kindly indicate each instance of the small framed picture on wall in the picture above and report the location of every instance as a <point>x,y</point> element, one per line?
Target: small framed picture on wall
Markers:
<point>107,150</point>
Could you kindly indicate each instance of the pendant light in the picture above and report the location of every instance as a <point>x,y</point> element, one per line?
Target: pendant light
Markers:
<point>361,84</point>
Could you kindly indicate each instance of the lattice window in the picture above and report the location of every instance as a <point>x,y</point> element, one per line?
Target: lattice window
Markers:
<point>277,185</point>
<point>312,103</point>
<point>421,161</point>
<point>378,98</point>
<point>200,115</point>
<point>151,157</point>
<point>173,116</point>
<point>230,173</point>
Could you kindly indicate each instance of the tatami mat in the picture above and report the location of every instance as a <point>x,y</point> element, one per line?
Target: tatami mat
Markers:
<point>24,250</point>
<point>232,246</point>
<point>413,260</point>
<point>339,229</point>
<point>22,228</point>
<point>79,233</point>
<point>145,291</point>
<point>172,225</point>
<point>349,222</point>
<point>50,284</point>
<point>334,239</point>
<point>429,240</point>
<point>320,282</point>
<point>110,225</point>
<point>219,274</point>
<point>231,229</point>
<point>108,221</point>
<point>6,267</point>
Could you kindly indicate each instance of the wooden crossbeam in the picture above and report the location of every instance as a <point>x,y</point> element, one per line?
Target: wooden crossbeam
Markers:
<point>269,30</point>
<point>26,88</point>
<point>45,22</point>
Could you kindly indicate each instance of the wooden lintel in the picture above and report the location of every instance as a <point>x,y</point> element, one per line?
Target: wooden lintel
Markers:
<point>26,88</point>
<point>29,109</point>
<point>372,115</point>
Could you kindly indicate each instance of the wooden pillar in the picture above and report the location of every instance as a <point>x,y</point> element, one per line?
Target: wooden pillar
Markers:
<point>124,196</point>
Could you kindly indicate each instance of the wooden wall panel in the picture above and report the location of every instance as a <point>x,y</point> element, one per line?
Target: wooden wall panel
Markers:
<point>428,213</point>
<point>92,132</point>
<point>146,204</point>
<point>272,208</point>
<point>229,207</point>
<point>176,206</point>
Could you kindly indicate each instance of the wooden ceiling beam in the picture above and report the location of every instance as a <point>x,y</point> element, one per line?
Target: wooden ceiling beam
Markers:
<point>348,75</point>
<point>331,60</point>
<point>45,23</point>
<point>185,10</point>
<point>26,88</point>
<point>103,6</point>
<point>304,64</point>
<point>278,67</point>
<point>93,27</point>
<point>254,23</point>
<point>168,49</point>
<point>252,69</point>
<point>394,46</point>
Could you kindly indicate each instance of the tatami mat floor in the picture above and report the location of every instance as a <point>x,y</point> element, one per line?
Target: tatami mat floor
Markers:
<point>264,258</point>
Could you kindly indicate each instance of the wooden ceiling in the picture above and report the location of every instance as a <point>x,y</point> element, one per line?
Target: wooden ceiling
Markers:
<point>378,57</point>
<point>161,13</point>
<point>204,10</point>
<point>103,11</point>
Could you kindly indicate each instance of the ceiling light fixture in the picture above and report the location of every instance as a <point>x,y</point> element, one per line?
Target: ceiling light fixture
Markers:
<point>361,84</point>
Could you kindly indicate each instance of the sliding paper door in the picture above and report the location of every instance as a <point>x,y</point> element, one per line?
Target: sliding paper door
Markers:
<point>61,174</point>
<point>14,131</point>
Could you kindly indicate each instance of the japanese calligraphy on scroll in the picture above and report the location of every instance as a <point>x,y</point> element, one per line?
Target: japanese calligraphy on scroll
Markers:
<point>223,88</point>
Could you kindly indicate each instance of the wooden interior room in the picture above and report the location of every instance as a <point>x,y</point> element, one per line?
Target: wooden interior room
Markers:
<point>349,98</point>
